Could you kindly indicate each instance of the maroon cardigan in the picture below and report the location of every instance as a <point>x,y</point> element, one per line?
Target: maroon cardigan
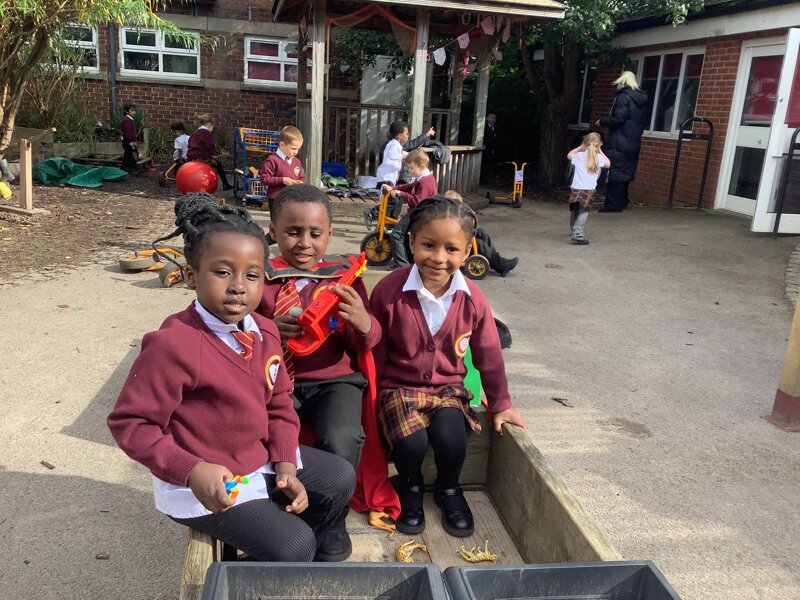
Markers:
<point>409,357</point>
<point>275,169</point>
<point>190,398</point>
<point>414,193</point>
<point>128,129</point>
<point>201,145</point>
<point>338,354</point>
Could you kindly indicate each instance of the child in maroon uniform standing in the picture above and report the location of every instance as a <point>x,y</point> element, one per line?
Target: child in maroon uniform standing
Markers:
<point>430,314</point>
<point>283,168</point>
<point>129,135</point>
<point>208,398</point>
<point>201,147</point>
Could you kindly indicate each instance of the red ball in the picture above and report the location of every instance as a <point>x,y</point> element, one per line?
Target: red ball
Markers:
<point>196,176</point>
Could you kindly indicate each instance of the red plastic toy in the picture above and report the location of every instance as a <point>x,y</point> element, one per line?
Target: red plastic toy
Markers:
<point>196,176</point>
<point>319,320</point>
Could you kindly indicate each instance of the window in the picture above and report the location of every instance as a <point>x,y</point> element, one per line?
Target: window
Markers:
<point>273,61</point>
<point>83,41</point>
<point>584,113</point>
<point>149,52</point>
<point>671,82</point>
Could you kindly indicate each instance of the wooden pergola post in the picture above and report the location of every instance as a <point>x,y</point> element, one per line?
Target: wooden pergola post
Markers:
<point>415,126</point>
<point>456,95</point>
<point>786,408</point>
<point>313,166</point>
<point>481,93</point>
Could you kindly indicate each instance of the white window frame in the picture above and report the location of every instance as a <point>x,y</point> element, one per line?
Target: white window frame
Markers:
<point>93,45</point>
<point>281,60</point>
<point>686,53</point>
<point>160,49</point>
<point>581,122</point>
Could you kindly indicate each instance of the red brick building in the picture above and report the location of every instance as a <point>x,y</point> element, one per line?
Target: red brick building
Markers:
<point>248,79</point>
<point>733,64</point>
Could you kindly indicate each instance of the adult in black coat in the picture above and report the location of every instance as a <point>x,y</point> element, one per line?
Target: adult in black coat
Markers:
<point>624,140</point>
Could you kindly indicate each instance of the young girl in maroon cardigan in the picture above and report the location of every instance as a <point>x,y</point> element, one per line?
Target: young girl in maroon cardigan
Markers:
<point>208,399</point>
<point>201,147</point>
<point>430,313</point>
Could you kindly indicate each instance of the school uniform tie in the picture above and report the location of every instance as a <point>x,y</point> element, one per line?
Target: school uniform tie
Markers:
<point>288,298</point>
<point>248,341</point>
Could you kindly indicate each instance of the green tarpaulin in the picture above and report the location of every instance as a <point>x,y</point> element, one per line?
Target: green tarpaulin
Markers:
<point>62,171</point>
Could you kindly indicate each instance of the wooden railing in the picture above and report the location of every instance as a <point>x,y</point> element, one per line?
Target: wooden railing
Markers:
<point>461,173</point>
<point>354,134</point>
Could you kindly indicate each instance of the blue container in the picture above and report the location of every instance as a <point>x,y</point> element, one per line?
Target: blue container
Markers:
<point>623,580</point>
<point>310,581</point>
<point>334,169</point>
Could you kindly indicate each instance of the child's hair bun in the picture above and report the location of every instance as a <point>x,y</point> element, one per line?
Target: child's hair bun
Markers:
<point>190,203</point>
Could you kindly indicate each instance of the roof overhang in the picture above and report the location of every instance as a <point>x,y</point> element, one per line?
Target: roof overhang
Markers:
<point>290,11</point>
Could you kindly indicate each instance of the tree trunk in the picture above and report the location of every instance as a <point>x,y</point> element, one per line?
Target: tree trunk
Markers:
<point>552,143</point>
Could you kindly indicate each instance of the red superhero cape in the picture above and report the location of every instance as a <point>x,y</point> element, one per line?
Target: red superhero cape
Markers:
<point>373,490</point>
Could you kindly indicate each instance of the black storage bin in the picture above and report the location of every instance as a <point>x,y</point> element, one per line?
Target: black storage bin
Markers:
<point>390,581</point>
<point>628,580</point>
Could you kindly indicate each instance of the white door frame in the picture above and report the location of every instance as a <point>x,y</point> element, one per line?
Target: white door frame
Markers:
<point>735,116</point>
<point>780,136</point>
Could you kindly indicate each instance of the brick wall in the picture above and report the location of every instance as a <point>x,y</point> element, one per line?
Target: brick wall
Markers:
<point>715,96</point>
<point>221,91</point>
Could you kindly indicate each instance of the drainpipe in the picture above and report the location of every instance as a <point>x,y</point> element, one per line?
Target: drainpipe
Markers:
<point>112,65</point>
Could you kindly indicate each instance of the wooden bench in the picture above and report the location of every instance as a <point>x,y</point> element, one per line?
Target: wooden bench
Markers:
<point>520,505</point>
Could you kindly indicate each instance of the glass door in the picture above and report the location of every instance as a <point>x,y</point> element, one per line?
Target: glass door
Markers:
<point>785,119</point>
<point>751,122</point>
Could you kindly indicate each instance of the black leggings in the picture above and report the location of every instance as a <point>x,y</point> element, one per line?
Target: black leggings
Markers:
<point>447,434</point>
<point>265,531</point>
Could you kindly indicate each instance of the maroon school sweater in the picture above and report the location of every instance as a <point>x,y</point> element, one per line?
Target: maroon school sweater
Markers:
<point>201,145</point>
<point>338,354</point>
<point>414,193</point>
<point>128,129</point>
<point>275,169</point>
<point>191,398</point>
<point>409,357</point>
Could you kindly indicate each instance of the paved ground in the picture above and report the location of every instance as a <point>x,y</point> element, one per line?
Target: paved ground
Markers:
<point>666,335</point>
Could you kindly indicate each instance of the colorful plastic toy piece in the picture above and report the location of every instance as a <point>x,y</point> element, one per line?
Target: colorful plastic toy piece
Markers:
<point>319,320</point>
<point>231,486</point>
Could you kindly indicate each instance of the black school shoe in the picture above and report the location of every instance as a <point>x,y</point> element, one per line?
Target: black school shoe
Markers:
<point>456,515</point>
<point>336,545</point>
<point>412,516</point>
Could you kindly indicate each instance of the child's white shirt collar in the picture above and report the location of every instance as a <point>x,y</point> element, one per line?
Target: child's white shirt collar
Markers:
<point>224,330</point>
<point>204,127</point>
<point>282,156</point>
<point>434,309</point>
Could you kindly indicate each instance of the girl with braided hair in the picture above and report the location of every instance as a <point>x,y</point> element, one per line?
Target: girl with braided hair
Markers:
<point>208,399</point>
<point>430,314</point>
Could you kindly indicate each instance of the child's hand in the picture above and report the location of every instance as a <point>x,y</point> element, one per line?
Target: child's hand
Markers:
<point>289,181</point>
<point>352,310</point>
<point>511,416</point>
<point>430,133</point>
<point>287,482</point>
<point>288,327</point>
<point>386,188</point>
<point>207,482</point>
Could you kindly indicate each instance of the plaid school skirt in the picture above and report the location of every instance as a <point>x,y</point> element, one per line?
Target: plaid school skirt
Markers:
<point>402,412</point>
<point>583,197</point>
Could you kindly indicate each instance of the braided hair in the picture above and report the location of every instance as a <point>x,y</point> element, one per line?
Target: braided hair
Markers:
<point>198,217</point>
<point>300,192</point>
<point>440,207</point>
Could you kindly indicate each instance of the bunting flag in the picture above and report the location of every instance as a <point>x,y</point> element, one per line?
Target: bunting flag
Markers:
<point>439,56</point>
<point>496,53</point>
<point>487,25</point>
<point>463,40</point>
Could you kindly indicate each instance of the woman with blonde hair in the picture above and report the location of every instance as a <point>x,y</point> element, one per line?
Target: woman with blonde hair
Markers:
<point>624,141</point>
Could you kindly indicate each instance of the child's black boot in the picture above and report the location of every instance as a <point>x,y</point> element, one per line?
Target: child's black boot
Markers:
<point>412,516</point>
<point>456,515</point>
<point>336,545</point>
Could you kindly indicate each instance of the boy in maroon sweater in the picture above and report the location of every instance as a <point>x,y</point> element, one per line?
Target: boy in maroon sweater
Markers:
<point>283,168</point>
<point>424,186</point>
<point>129,135</point>
<point>208,399</point>
<point>328,386</point>
<point>201,147</point>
